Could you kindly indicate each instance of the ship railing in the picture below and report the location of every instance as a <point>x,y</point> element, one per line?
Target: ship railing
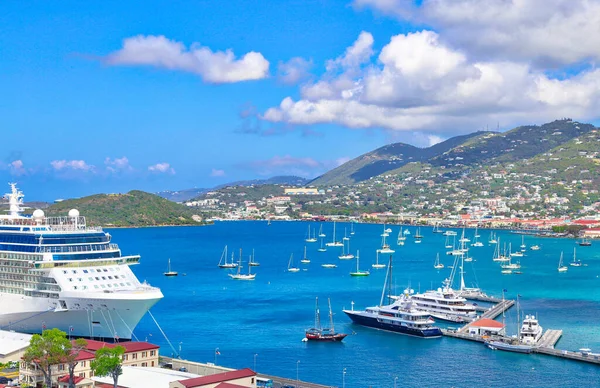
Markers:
<point>78,248</point>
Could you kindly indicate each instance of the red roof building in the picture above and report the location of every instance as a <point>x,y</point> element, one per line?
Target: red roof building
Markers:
<point>234,379</point>
<point>486,327</point>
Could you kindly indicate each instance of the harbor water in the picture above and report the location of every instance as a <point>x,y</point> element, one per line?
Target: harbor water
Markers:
<point>263,321</point>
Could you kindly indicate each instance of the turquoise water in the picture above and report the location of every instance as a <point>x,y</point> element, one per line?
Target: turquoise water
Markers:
<point>205,309</point>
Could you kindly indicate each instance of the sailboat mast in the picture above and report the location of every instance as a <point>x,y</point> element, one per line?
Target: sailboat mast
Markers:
<point>462,271</point>
<point>317,315</point>
<point>387,274</point>
<point>390,283</point>
<point>331,328</point>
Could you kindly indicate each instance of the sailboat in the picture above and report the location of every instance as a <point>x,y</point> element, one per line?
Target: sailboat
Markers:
<point>377,265</point>
<point>447,245</point>
<point>477,243</point>
<point>418,235</point>
<point>319,333</point>
<point>251,262</point>
<point>358,271</point>
<point>514,254</point>
<point>346,255</point>
<point>575,262</point>
<point>401,237</point>
<point>223,262</point>
<point>322,248</point>
<point>345,238</point>
<point>352,229</point>
<point>561,266</point>
<point>463,238</point>
<point>291,267</point>
<point>436,229</point>
<point>497,255</point>
<point>385,248</point>
<point>585,242</point>
<point>321,234</point>
<point>309,238</point>
<point>492,239</point>
<point>239,275</point>
<point>334,242</point>
<point>305,260</point>
<point>169,272</point>
<point>523,246</point>
<point>437,264</point>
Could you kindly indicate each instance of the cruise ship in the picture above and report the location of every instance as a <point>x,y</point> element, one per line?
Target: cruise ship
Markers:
<point>57,272</point>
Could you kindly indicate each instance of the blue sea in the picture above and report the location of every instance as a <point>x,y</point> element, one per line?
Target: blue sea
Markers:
<point>205,309</point>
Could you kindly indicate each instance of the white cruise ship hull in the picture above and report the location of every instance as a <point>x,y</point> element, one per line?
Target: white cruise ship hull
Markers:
<point>96,315</point>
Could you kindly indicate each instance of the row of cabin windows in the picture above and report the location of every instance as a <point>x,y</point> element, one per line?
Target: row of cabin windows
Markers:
<point>92,270</point>
<point>41,240</point>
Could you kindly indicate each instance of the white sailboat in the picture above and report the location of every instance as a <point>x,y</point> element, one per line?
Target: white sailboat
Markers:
<point>321,234</point>
<point>346,255</point>
<point>514,254</point>
<point>447,245</point>
<point>352,229</point>
<point>561,266</point>
<point>291,267</point>
<point>345,238</point>
<point>575,262</point>
<point>309,238</point>
<point>223,262</point>
<point>437,264</point>
<point>305,259</point>
<point>477,243</point>
<point>523,246</point>
<point>493,239</point>
<point>169,272</point>
<point>334,242</point>
<point>497,255</point>
<point>358,272</point>
<point>239,275</point>
<point>252,262</point>
<point>377,264</point>
<point>385,248</point>
<point>322,248</point>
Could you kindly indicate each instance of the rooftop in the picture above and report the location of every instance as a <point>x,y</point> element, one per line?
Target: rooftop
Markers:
<point>218,378</point>
<point>486,322</point>
<point>11,342</point>
<point>138,376</point>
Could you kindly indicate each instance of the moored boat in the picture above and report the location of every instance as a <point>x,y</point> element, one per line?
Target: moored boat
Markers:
<point>322,334</point>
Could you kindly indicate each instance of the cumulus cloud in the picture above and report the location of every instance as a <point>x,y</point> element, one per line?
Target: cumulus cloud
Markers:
<point>289,165</point>
<point>217,173</point>
<point>117,164</point>
<point>420,83</point>
<point>212,66</point>
<point>294,71</point>
<point>73,165</point>
<point>545,32</point>
<point>163,168</point>
<point>16,167</point>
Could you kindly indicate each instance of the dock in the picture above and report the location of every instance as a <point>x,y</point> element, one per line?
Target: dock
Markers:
<point>550,338</point>
<point>492,312</point>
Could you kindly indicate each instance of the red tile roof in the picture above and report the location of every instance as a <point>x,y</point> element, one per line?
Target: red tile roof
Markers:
<point>84,355</point>
<point>129,346</point>
<point>217,378</point>
<point>486,322</point>
<point>65,379</point>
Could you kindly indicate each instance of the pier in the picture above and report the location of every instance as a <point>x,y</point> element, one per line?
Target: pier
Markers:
<point>491,313</point>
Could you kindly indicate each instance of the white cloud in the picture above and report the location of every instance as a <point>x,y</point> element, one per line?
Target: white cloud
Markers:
<point>217,173</point>
<point>554,32</point>
<point>117,164</point>
<point>359,53</point>
<point>422,84</point>
<point>214,67</point>
<point>73,165</point>
<point>433,140</point>
<point>161,168</point>
<point>294,71</point>
<point>16,167</point>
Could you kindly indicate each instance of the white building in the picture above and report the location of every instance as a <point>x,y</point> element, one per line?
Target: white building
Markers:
<point>13,345</point>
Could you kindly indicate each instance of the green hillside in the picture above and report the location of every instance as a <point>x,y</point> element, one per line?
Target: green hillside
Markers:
<point>136,208</point>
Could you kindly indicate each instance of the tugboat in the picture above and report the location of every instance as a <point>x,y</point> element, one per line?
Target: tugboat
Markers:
<point>318,333</point>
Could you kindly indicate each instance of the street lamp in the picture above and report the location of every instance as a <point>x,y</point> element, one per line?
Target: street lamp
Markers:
<point>297,370</point>
<point>395,380</point>
<point>255,354</point>
<point>344,378</point>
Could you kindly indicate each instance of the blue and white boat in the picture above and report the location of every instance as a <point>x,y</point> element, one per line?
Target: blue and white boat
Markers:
<point>59,272</point>
<point>400,316</point>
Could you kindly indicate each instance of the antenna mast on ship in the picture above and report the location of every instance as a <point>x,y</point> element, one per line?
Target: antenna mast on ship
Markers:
<point>15,200</point>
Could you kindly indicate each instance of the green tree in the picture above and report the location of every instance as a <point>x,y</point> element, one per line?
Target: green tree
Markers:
<point>108,362</point>
<point>50,348</point>
<point>71,359</point>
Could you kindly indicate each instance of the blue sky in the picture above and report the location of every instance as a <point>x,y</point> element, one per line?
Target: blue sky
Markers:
<point>110,97</point>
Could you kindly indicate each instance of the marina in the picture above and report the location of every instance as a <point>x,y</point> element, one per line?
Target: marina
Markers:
<point>281,303</point>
